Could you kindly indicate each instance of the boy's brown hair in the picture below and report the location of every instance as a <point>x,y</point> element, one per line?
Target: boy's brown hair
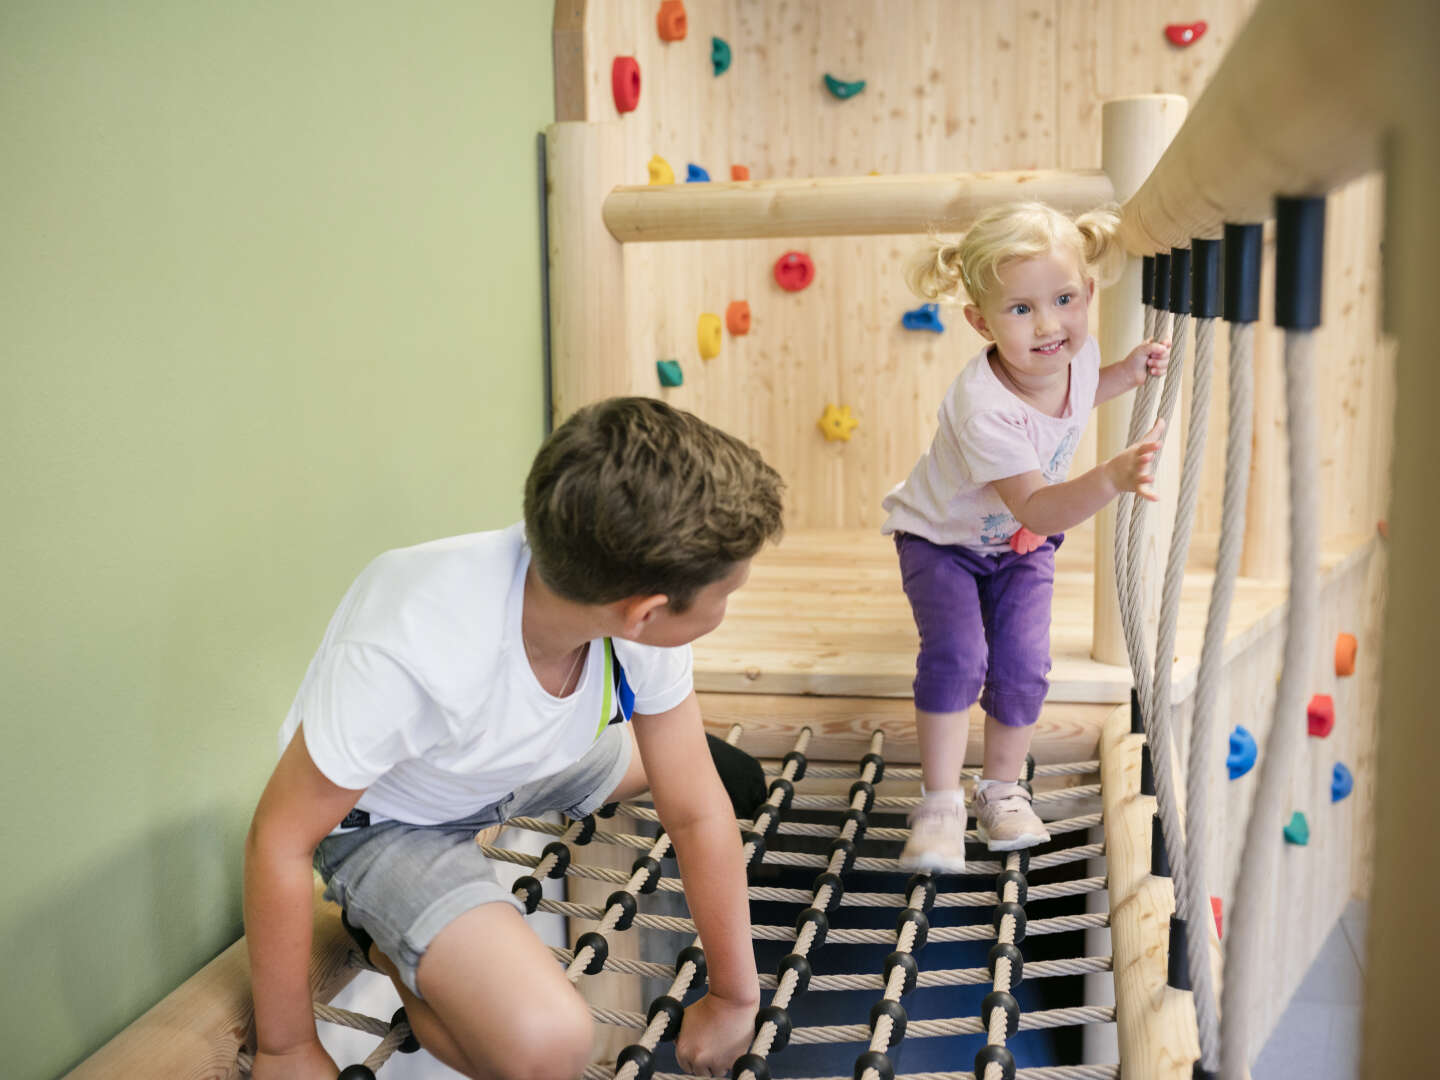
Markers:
<point>631,497</point>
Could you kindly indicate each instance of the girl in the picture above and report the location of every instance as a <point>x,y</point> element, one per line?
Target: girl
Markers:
<point>978,521</point>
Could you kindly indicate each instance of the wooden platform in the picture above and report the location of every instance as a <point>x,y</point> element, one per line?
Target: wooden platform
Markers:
<point>824,613</point>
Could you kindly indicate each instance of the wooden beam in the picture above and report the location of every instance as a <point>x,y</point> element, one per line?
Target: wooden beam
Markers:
<point>568,43</point>
<point>839,206</point>
<point>1294,109</point>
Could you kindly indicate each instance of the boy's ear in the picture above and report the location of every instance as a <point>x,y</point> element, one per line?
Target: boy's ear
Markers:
<point>637,611</point>
<point>977,320</point>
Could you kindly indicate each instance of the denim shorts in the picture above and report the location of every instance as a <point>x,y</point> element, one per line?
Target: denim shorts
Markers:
<point>402,884</point>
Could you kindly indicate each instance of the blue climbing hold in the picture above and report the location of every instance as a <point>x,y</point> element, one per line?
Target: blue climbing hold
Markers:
<point>694,174</point>
<point>925,317</point>
<point>1298,831</point>
<point>1341,782</point>
<point>1241,758</point>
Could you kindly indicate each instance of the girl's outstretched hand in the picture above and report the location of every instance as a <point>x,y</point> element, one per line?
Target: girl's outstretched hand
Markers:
<point>1133,468</point>
<point>1148,358</point>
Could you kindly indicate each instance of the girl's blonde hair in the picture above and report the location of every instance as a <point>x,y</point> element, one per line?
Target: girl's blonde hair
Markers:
<point>951,270</point>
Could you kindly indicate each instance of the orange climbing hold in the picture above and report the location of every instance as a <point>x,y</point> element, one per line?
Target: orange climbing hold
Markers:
<point>1345,646</point>
<point>737,317</point>
<point>671,20</point>
<point>1320,715</point>
<point>739,172</point>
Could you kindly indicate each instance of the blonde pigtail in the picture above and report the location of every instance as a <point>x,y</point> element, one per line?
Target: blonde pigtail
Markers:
<point>1100,231</point>
<point>936,273</point>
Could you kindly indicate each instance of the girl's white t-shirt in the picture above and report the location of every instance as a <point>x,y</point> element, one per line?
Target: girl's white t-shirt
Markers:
<point>421,692</point>
<point>987,433</point>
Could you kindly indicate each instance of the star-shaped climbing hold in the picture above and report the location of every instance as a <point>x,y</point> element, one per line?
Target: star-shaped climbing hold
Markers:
<point>837,423</point>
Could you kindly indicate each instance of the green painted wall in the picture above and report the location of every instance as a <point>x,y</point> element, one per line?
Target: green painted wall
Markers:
<point>270,303</point>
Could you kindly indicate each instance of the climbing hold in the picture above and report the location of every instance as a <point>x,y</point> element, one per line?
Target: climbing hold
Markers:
<point>670,373</point>
<point>1341,782</point>
<point>1383,528</point>
<point>737,317</point>
<point>837,423</point>
<point>1183,34</point>
<point>719,55</point>
<point>660,171</point>
<point>794,271</point>
<point>1023,541</point>
<point>1218,907</point>
<point>1241,758</point>
<point>1298,831</point>
<point>739,172</point>
<point>925,317</point>
<point>1320,715</point>
<point>1345,646</point>
<point>694,174</point>
<point>671,20</point>
<point>841,89</point>
<point>708,335</point>
<point>625,83</point>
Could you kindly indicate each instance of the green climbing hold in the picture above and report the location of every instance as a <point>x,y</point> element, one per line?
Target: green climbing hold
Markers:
<point>843,90</point>
<point>670,373</point>
<point>1298,831</point>
<point>720,55</point>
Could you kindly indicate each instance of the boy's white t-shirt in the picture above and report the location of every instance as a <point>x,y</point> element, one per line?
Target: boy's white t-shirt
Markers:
<point>421,692</point>
<point>987,433</point>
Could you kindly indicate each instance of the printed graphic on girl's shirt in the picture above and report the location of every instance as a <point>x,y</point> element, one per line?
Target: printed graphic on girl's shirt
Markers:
<point>1059,466</point>
<point>997,528</point>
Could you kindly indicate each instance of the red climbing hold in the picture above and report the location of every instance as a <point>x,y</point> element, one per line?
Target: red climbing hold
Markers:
<point>671,20</point>
<point>1183,34</point>
<point>625,83</point>
<point>737,317</point>
<point>1218,907</point>
<point>794,271</point>
<point>739,172</point>
<point>1320,714</point>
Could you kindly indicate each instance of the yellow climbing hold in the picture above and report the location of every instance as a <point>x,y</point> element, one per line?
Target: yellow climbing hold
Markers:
<point>837,423</point>
<point>708,335</point>
<point>660,171</point>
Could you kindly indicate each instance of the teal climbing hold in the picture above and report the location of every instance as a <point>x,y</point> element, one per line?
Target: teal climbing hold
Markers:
<point>670,373</point>
<point>842,89</point>
<point>1341,782</point>
<point>1298,831</point>
<point>720,55</point>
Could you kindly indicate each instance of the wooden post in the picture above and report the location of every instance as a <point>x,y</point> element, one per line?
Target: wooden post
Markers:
<point>1136,131</point>
<point>589,358</point>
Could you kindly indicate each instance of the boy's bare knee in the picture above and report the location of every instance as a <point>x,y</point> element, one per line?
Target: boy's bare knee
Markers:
<point>549,1041</point>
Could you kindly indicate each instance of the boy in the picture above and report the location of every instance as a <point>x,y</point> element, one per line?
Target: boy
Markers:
<point>462,682</point>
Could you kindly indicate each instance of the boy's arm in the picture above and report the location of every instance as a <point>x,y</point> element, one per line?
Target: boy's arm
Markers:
<point>698,817</point>
<point>297,809</point>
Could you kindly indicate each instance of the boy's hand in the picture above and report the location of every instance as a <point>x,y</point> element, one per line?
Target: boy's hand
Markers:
<point>1148,358</point>
<point>1131,469</point>
<point>308,1061</point>
<point>713,1034</point>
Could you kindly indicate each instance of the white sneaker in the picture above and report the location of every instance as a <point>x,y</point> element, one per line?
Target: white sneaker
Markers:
<point>937,835</point>
<point>1004,818</point>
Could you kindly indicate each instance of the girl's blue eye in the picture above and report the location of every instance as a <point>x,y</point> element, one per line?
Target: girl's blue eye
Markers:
<point>1064,299</point>
<point>1020,309</point>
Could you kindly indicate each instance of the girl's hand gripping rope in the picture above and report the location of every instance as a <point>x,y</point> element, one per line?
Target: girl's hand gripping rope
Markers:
<point>1133,468</point>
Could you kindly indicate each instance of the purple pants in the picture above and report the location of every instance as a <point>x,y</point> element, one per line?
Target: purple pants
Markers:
<point>984,621</point>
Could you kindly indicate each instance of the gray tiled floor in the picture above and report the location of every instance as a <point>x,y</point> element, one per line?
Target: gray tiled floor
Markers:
<point>1318,1038</point>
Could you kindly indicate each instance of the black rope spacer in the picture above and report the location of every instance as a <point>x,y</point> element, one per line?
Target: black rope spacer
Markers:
<point>562,858</point>
<point>1001,910</point>
<point>921,881</point>
<point>801,761</point>
<point>355,1072</point>
<point>903,960</point>
<point>1202,1073</point>
<point>643,1059</point>
<point>1016,958</point>
<point>1180,281</point>
<point>916,919</point>
<point>868,789</point>
<point>1137,721</point>
<point>411,1043</point>
<point>873,1059</point>
<point>837,888</point>
<point>1001,999</point>
<point>674,1014</point>
<point>1147,771</point>
<point>1162,281</point>
<point>898,1019</point>
<point>757,853</point>
<point>847,850</point>
<point>767,821</point>
<point>608,810</point>
<point>1022,885</point>
<point>1205,294</point>
<point>996,1055</point>
<point>787,792</point>
<point>755,1063</point>
<point>1244,247</point>
<point>878,762</point>
<point>1159,856</point>
<point>533,891</point>
<point>781,1019</point>
<point>692,954</point>
<point>601,949</point>
<point>1299,261</point>
<point>1179,973</point>
<point>625,901</point>
<point>651,866</point>
<point>813,916</point>
<point>587,830</point>
<point>862,822</point>
<point>1147,278</point>
<point>801,966</point>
